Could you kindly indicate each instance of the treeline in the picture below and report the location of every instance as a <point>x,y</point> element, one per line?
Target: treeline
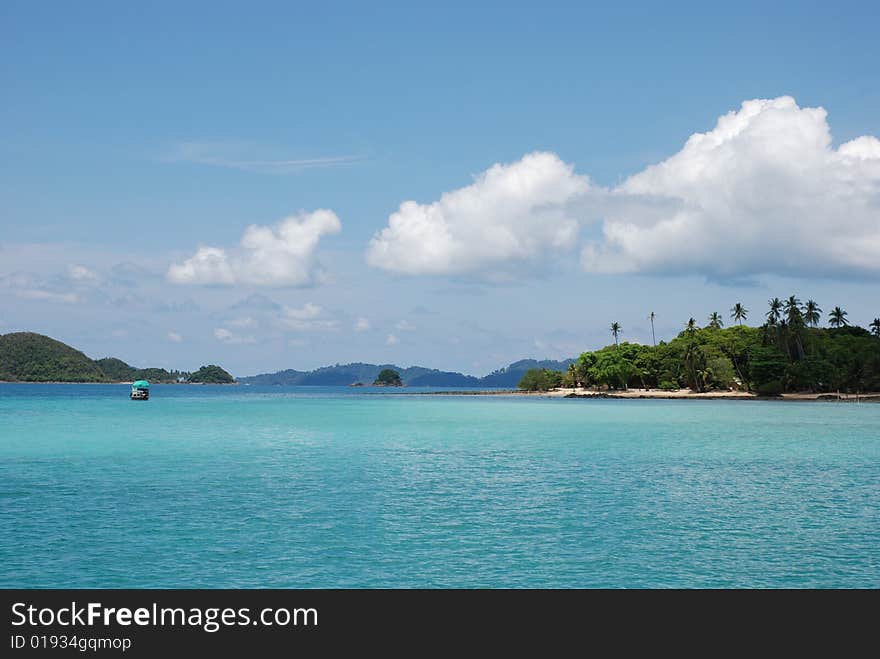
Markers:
<point>31,357</point>
<point>117,370</point>
<point>788,353</point>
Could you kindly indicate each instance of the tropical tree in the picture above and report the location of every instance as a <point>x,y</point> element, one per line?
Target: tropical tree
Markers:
<point>739,313</point>
<point>653,336</point>
<point>794,321</point>
<point>573,374</point>
<point>774,314</point>
<point>793,315</point>
<point>837,318</point>
<point>691,327</point>
<point>715,321</point>
<point>812,313</point>
<point>875,327</point>
<point>616,330</point>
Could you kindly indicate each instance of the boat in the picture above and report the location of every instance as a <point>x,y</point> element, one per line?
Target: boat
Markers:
<point>140,390</point>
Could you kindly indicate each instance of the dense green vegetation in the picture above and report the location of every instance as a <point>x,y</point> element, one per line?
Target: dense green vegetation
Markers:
<point>788,353</point>
<point>388,378</point>
<point>117,370</point>
<point>30,357</point>
<point>211,374</point>
<point>541,379</point>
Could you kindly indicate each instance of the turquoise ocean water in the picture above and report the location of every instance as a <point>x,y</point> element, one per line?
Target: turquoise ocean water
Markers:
<point>335,487</point>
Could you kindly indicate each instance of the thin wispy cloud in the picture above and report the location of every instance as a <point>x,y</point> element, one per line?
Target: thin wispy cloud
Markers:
<point>250,157</point>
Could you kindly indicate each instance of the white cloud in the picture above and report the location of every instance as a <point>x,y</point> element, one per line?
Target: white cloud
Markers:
<point>405,326</point>
<point>764,191</point>
<point>392,340</point>
<point>47,296</point>
<point>250,157</point>
<point>225,336</point>
<point>362,324</point>
<point>81,273</point>
<point>280,255</point>
<point>511,213</point>
<point>308,318</point>
<point>242,323</point>
<point>174,337</point>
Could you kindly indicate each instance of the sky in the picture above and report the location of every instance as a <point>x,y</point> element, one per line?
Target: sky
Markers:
<point>287,185</point>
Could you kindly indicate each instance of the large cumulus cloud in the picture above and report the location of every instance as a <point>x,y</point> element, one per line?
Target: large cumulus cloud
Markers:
<point>764,191</point>
<point>511,213</point>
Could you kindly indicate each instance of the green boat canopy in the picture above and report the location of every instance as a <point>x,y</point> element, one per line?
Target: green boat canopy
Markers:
<point>140,384</point>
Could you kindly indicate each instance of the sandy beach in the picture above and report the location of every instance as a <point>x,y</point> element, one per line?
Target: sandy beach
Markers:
<point>662,394</point>
<point>710,395</point>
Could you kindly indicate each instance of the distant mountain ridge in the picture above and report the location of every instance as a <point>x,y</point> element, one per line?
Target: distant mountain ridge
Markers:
<point>414,376</point>
<point>31,357</point>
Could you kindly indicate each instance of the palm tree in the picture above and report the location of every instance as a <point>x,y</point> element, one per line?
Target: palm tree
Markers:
<point>739,313</point>
<point>773,315</point>
<point>691,326</point>
<point>616,329</point>
<point>715,321</point>
<point>875,327</point>
<point>837,318</point>
<point>812,313</point>
<point>793,311</point>
<point>653,336</point>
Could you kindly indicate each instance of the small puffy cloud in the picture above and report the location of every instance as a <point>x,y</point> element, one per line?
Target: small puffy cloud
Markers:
<point>225,336</point>
<point>512,213</point>
<point>280,255</point>
<point>174,337</point>
<point>392,340</point>
<point>362,324</point>
<point>307,318</point>
<point>81,273</point>
<point>405,326</point>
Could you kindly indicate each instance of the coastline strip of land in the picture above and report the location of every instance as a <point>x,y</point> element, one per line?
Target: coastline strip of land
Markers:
<point>663,394</point>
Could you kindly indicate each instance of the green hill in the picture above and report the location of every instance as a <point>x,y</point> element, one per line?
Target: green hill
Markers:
<point>116,369</point>
<point>30,357</point>
<point>211,374</point>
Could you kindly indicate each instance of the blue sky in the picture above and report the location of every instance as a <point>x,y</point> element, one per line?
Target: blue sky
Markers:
<point>132,137</point>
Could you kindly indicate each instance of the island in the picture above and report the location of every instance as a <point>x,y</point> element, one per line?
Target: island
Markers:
<point>211,374</point>
<point>388,378</point>
<point>788,355</point>
<point>32,357</point>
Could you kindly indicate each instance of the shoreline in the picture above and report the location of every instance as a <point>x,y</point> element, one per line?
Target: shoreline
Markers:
<point>579,393</point>
<point>661,394</point>
<point>152,384</point>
